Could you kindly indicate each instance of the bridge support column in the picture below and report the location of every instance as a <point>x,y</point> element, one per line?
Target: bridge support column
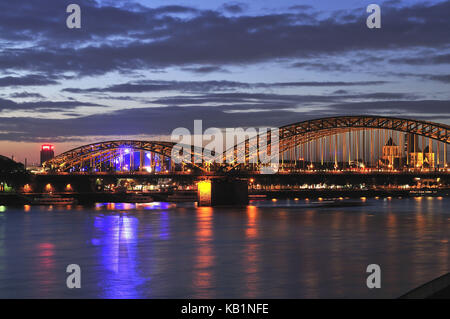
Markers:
<point>152,161</point>
<point>222,192</point>
<point>141,161</point>
<point>132,161</point>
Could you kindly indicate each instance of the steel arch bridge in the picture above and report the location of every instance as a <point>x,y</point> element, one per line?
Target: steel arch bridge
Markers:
<point>316,128</point>
<point>110,150</point>
<point>302,133</point>
<point>326,133</point>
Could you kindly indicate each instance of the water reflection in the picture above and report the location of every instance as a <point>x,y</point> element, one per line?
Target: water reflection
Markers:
<point>204,258</point>
<point>2,246</point>
<point>308,274</point>
<point>164,230</point>
<point>336,249</point>
<point>131,206</point>
<point>251,254</point>
<point>252,228</point>
<point>116,237</point>
<point>286,249</point>
<point>45,268</point>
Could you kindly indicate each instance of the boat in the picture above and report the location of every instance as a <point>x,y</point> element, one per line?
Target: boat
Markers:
<point>53,200</point>
<point>139,198</point>
<point>181,197</point>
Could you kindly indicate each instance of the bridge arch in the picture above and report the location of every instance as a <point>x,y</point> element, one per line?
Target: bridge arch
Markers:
<point>340,132</point>
<point>109,150</point>
<point>436,131</point>
<point>297,134</point>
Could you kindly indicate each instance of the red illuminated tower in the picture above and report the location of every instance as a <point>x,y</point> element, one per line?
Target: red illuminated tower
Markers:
<point>47,152</point>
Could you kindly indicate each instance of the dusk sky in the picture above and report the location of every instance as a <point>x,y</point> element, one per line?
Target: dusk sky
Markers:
<point>139,69</point>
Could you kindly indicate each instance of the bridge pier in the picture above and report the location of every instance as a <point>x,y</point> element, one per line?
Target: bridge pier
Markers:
<point>222,192</point>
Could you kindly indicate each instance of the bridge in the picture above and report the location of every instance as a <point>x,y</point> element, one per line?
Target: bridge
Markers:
<point>332,143</point>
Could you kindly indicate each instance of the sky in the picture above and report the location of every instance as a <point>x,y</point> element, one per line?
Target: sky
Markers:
<point>140,69</point>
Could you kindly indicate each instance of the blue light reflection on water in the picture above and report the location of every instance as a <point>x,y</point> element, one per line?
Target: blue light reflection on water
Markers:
<point>164,232</point>
<point>116,237</point>
<point>133,206</point>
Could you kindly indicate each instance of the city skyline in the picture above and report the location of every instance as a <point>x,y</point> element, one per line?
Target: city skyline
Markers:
<point>135,71</point>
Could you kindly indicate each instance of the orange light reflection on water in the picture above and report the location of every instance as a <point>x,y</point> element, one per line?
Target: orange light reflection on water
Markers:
<point>204,259</point>
<point>251,254</point>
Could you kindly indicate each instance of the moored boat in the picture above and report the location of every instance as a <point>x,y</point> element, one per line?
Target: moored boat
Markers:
<point>53,200</point>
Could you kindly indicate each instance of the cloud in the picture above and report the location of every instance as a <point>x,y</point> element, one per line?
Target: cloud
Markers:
<point>234,7</point>
<point>6,104</point>
<point>202,86</point>
<point>205,69</point>
<point>441,78</point>
<point>400,108</point>
<point>301,7</point>
<point>154,120</point>
<point>272,101</point>
<point>26,80</point>
<point>322,66</point>
<point>444,78</point>
<point>128,38</point>
<point>423,60</point>
<point>26,95</point>
<point>159,38</point>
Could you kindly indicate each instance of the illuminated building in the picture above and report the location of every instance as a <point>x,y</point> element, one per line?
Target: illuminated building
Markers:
<point>428,157</point>
<point>47,152</point>
<point>414,154</point>
<point>416,159</point>
<point>391,154</point>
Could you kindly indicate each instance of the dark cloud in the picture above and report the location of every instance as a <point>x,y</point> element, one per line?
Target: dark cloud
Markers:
<point>329,66</point>
<point>155,38</point>
<point>246,101</point>
<point>444,78</point>
<point>301,7</point>
<point>340,92</point>
<point>398,108</point>
<point>157,86</point>
<point>423,60</point>
<point>26,95</point>
<point>202,86</point>
<point>129,38</point>
<point>441,78</point>
<point>172,9</point>
<point>26,80</point>
<point>154,120</point>
<point>42,105</point>
<point>205,69</point>
<point>234,7</point>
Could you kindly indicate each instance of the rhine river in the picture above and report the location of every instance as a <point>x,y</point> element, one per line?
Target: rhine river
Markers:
<point>283,249</point>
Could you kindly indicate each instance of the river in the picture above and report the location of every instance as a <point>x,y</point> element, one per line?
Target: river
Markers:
<point>282,249</point>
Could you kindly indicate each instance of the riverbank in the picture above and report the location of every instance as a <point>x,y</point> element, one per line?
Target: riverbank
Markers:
<point>18,199</point>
